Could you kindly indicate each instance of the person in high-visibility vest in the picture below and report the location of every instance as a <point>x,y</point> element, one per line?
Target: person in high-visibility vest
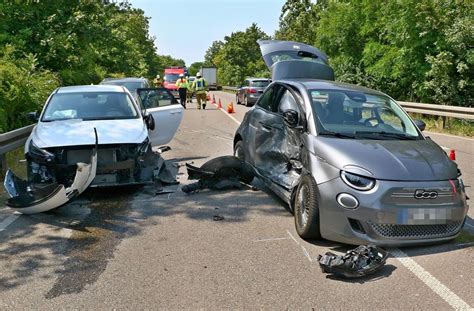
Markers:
<point>182,86</point>
<point>200,87</point>
<point>158,82</point>
<point>190,92</point>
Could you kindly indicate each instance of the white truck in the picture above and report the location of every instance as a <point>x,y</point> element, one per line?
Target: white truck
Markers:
<point>210,75</point>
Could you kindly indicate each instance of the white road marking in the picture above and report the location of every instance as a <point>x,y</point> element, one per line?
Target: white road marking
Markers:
<point>305,252</point>
<point>8,221</point>
<point>272,239</point>
<point>448,135</point>
<point>429,280</point>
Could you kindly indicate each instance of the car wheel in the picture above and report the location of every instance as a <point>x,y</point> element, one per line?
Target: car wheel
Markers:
<point>239,150</point>
<point>237,100</point>
<point>306,209</point>
<point>246,102</point>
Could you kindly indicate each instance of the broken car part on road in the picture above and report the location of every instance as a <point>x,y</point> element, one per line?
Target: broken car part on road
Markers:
<point>29,197</point>
<point>358,262</point>
<point>221,173</point>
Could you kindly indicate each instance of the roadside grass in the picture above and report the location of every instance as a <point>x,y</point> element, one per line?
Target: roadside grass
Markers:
<point>453,126</point>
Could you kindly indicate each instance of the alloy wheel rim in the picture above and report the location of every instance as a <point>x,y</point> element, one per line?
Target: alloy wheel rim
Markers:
<point>303,204</point>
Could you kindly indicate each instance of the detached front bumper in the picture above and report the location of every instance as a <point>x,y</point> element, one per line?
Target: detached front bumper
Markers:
<point>390,215</point>
<point>31,198</point>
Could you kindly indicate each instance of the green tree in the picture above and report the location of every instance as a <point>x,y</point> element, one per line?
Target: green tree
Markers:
<point>212,51</point>
<point>240,57</point>
<point>194,68</point>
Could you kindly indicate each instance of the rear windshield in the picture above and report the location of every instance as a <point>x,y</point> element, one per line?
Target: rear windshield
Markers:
<point>260,83</point>
<point>90,106</point>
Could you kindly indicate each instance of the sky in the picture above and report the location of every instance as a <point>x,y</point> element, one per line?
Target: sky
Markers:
<point>186,29</point>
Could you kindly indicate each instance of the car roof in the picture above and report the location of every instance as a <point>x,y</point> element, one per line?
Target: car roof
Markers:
<point>331,85</point>
<point>260,79</point>
<point>127,79</point>
<point>90,89</point>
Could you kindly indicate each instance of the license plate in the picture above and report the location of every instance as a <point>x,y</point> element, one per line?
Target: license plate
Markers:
<point>423,216</point>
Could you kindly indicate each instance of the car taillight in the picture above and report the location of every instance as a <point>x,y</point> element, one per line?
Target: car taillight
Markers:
<point>251,91</point>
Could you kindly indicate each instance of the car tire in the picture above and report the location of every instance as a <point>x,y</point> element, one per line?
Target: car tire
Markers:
<point>246,101</point>
<point>237,100</point>
<point>306,209</point>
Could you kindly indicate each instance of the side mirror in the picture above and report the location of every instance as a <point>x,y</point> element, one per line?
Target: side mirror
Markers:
<point>291,118</point>
<point>149,121</point>
<point>420,124</point>
<point>33,116</point>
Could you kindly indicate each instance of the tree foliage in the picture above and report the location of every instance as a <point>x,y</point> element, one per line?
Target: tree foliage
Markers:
<point>420,50</point>
<point>74,42</point>
<point>238,56</point>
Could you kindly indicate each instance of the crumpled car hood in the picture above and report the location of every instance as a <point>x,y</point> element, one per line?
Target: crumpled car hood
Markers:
<point>77,132</point>
<point>415,160</point>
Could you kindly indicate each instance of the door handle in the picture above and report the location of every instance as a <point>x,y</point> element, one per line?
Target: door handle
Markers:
<point>175,112</point>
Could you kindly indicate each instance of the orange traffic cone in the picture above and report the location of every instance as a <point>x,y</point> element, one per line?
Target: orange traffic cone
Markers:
<point>213,100</point>
<point>230,108</point>
<point>208,97</point>
<point>219,105</point>
<point>452,154</point>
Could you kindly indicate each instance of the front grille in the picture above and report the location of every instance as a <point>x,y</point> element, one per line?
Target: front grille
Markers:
<point>416,231</point>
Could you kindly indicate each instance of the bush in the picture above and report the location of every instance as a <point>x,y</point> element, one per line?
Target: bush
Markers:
<point>23,88</point>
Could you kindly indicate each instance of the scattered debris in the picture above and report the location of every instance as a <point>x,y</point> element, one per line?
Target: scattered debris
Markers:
<point>218,218</point>
<point>222,173</point>
<point>358,262</point>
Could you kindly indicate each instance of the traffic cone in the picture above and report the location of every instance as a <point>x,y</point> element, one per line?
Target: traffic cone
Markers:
<point>230,108</point>
<point>452,154</point>
<point>219,105</point>
<point>213,100</point>
<point>208,97</point>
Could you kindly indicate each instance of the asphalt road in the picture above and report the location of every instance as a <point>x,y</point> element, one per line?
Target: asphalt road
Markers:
<point>131,249</point>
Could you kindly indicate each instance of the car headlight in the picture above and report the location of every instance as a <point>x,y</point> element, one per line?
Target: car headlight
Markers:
<point>39,155</point>
<point>143,147</point>
<point>357,182</point>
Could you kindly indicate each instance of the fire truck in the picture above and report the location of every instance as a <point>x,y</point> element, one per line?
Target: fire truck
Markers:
<point>171,76</point>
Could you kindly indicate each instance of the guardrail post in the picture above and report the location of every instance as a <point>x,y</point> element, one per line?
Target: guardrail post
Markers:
<point>3,164</point>
<point>444,122</point>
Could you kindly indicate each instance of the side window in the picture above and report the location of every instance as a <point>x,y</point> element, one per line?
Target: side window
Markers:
<point>154,98</point>
<point>266,100</point>
<point>288,102</point>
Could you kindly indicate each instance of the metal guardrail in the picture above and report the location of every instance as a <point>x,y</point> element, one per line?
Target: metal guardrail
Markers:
<point>464,113</point>
<point>10,141</point>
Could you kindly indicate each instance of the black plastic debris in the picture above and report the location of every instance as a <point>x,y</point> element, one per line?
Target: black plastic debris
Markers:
<point>358,262</point>
<point>222,173</point>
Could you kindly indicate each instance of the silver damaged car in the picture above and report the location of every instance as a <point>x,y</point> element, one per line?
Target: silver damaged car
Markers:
<point>351,164</point>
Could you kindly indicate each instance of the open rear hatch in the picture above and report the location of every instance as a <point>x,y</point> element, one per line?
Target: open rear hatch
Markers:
<point>294,60</point>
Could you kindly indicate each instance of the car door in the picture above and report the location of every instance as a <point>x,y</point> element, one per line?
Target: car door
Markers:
<point>165,111</point>
<point>278,146</point>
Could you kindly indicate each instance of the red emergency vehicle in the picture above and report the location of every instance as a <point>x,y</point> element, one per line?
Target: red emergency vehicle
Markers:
<point>171,76</point>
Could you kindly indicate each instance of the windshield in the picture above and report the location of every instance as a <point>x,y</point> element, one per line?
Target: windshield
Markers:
<point>131,86</point>
<point>90,106</point>
<point>352,114</point>
<point>171,77</point>
<point>260,83</point>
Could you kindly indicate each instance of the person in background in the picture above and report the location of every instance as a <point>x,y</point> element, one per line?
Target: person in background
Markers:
<point>158,82</point>
<point>182,86</point>
<point>200,87</point>
<point>190,92</point>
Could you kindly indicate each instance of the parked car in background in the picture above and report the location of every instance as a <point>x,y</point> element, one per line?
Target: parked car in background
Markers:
<point>349,161</point>
<point>251,90</point>
<point>132,84</point>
